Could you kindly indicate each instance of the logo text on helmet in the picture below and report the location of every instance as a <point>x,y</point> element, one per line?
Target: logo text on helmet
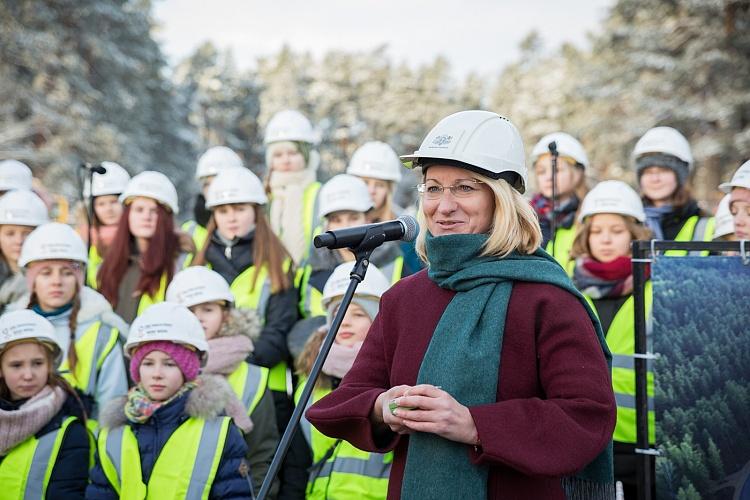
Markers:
<point>442,140</point>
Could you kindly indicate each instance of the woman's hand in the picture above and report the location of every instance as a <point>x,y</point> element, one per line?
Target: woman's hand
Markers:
<point>381,412</point>
<point>437,412</point>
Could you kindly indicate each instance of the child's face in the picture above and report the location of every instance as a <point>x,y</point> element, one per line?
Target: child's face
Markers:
<point>355,326</point>
<point>211,315</point>
<point>160,376</point>
<point>25,368</point>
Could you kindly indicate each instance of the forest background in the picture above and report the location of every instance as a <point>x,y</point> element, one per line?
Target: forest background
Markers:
<point>86,80</point>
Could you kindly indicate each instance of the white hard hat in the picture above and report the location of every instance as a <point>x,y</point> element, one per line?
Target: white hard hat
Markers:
<point>484,142</point>
<point>113,181</point>
<point>23,208</point>
<point>741,179</point>
<point>567,145</point>
<point>373,286</point>
<point>235,185</point>
<point>14,175</point>
<point>155,185</point>
<point>664,140</point>
<point>344,192</point>
<point>216,159</point>
<point>289,125</point>
<point>25,324</point>
<point>724,219</point>
<point>377,160</point>
<point>167,321</point>
<point>53,241</point>
<point>197,285</point>
<point>612,197</point>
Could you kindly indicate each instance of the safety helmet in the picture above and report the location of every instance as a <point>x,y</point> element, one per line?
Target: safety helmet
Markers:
<point>724,219</point>
<point>167,321</point>
<point>484,142</point>
<point>612,197</point>
<point>23,208</point>
<point>14,175</point>
<point>740,179</point>
<point>567,145</point>
<point>373,286</point>
<point>25,324</point>
<point>53,241</point>
<point>198,285</point>
<point>289,125</point>
<point>235,185</point>
<point>377,160</point>
<point>664,140</point>
<point>155,185</point>
<point>113,181</point>
<point>344,192</point>
<point>216,159</point>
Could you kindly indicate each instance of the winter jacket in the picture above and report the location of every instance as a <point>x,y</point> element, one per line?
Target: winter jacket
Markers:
<point>69,475</point>
<point>554,411</point>
<point>12,286</point>
<point>110,380</point>
<point>672,223</point>
<point>206,401</point>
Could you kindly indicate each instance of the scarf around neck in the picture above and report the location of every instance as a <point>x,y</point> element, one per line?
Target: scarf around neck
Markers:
<point>18,425</point>
<point>603,280</point>
<point>227,353</point>
<point>564,215</point>
<point>286,210</point>
<point>139,406</point>
<point>468,338</point>
<point>654,216</point>
<point>340,359</point>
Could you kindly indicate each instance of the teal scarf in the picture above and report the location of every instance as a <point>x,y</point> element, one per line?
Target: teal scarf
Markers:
<point>464,358</point>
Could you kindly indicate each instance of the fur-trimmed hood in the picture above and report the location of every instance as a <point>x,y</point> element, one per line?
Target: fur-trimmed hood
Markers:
<point>242,322</point>
<point>212,397</point>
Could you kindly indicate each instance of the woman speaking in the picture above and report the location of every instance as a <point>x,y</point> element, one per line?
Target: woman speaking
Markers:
<point>487,373</point>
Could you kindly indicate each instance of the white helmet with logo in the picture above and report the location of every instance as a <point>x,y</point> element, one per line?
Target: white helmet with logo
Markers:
<point>53,241</point>
<point>25,324</point>
<point>14,175</point>
<point>344,192</point>
<point>373,286</point>
<point>612,197</point>
<point>377,160</point>
<point>567,145</point>
<point>23,208</point>
<point>235,185</point>
<point>664,140</point>
<point>289,125</point>
<point>481,141</point>
<point>197,285</point>
<point>154,185</point>
<point>167,321</point>
<point>724,220</point>
<point>740,179</point>
<point>216,159</point>
<point>113,181</point>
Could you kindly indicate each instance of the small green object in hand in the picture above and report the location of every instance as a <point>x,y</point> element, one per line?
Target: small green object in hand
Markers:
<point>393,406</point>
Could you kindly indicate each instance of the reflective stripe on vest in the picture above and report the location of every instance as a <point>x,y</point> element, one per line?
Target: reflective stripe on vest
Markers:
<point>563,245</point>
<point>26,469</point>
<point>185,468</point>
<point>311,299</point>
<point>256,297</point>
<point>147,300</point>
<point>695,229</point>
<point>91,349</point>
<point>92,267</point>
<point>198,233</point>
<point>249,382</point>
<point>621,342</point>
<point>310,216</point>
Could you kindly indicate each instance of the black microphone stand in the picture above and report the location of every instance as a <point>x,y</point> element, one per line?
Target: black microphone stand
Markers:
<point>553,163</point>
<point>88,200</point>
<point>372,240</point>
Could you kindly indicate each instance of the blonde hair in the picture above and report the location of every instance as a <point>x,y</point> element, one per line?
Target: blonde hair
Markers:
<point>515,226</point>
<point>581,242</point>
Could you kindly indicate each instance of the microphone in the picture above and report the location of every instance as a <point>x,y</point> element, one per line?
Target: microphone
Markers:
<point>95,169</point>
<point>404,228</point>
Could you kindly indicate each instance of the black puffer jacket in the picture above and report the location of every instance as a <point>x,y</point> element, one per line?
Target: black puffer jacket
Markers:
<point>672,223</point>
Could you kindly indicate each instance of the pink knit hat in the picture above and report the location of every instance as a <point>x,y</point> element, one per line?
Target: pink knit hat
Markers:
<point>187,359</point>
<point>33,269</point>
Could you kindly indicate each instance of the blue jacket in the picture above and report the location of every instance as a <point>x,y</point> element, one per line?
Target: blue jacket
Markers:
<point>70,472</point>
<point>152,435</point>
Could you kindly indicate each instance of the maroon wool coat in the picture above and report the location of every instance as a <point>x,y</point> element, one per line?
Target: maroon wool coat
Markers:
<point>555,408</point>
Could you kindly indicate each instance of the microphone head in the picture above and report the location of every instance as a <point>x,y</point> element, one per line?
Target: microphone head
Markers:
<point>411,227</point>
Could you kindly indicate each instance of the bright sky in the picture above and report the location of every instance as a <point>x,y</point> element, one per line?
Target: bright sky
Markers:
<point>474,35</point>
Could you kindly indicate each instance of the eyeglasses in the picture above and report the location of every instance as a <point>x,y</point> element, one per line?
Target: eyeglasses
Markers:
<point>462,189</point>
